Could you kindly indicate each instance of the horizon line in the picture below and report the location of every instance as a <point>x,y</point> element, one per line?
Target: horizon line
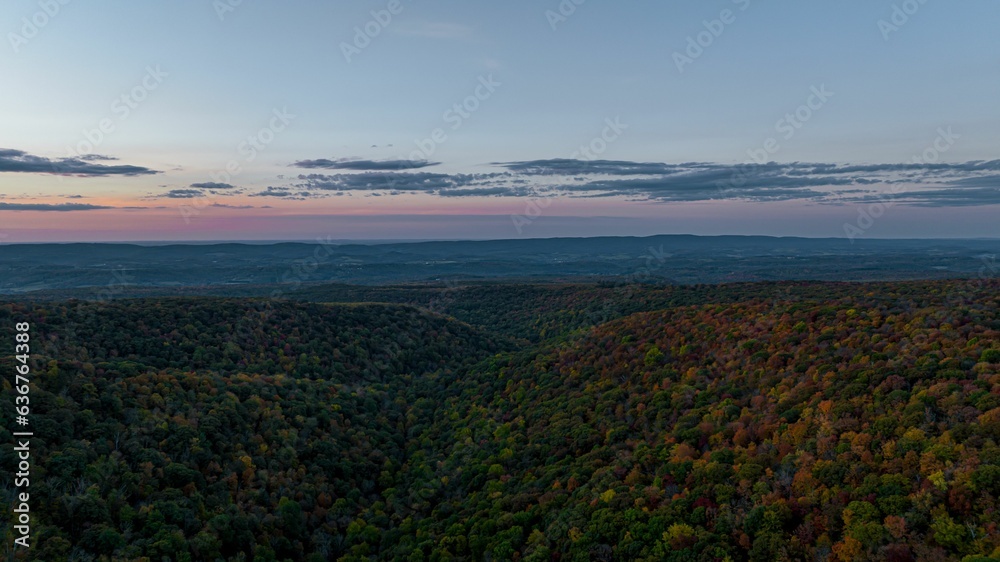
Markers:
<point>392,241</point>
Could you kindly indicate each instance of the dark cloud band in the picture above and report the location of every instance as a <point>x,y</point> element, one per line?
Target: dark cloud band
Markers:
<point>934,184</point>
<point>63,207</point>
<point>21,162</point>
<point>365,165</point>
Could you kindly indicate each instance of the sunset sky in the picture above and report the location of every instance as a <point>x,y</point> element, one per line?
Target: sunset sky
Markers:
<point>402,119</point>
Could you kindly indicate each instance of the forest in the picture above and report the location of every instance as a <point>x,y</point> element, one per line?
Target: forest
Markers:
<point>515,421</point>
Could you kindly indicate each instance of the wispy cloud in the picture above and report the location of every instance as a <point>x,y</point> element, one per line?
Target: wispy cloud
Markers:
<point>97,158</point>
<point>224,206</point>
<point>284,193</point>
<point>181,194</point>
<point>21,162</point>
<point>410,182</point>
<point>940,184</point>
<point>212,185</point>
<point>364,165</point>
<point>64,207</point>
<point>569,167</point>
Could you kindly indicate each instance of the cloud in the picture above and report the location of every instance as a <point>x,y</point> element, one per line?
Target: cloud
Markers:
<point>370,181</point>
<point>96,158</point>
<point>948,197</point>
<point>19,161</point>
<point>991,181</point>
<point>483,192</point>
<point>212,185</point>
<point>938,184</point>
<point>964,183</point>
<point>695,182</point>
<point>453,185</point>
<point>365,165</point>
<point>955,198</point>
<point>182,194</point>
<point>936,168</point>
<point>284,193</point>
<point>272,192</point>
<point>756,183</point>
<point>565,166</point>
<point>224,206</point>
<point>64,207</point>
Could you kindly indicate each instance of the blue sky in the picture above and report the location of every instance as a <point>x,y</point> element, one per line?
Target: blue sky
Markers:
<point>200,77</point>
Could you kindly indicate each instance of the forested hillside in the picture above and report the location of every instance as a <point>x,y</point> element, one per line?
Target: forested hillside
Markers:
<point>205,429</point>
<point>536,312</point>
<point>854,429</point>
<point>556,422</point>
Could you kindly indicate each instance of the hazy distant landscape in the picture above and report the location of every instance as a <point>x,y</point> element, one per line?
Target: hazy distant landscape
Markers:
<point>117,270</point>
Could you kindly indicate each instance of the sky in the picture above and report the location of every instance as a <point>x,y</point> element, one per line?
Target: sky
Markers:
<point>410,119</point>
